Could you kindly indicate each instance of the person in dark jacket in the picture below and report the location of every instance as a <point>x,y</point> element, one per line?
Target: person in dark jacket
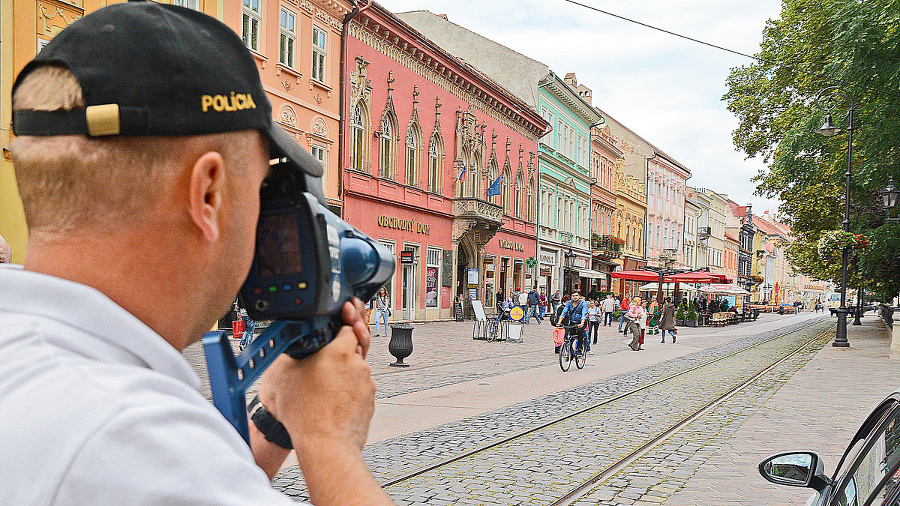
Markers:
<point>667,322</point>
<point>534,298</point>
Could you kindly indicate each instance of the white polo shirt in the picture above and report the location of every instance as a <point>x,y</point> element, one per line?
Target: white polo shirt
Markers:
<point>96,408</point>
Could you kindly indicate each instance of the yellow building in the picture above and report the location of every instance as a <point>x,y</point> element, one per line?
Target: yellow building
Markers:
<point>296,45</point>
<point>631,206</point>
<point>25,27</point>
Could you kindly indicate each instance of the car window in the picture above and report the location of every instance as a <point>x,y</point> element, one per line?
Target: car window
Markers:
<point>875,478</point>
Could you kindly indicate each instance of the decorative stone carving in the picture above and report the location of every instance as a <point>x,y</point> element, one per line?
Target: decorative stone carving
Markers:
<point>320,128</point>
<point>288,116</point>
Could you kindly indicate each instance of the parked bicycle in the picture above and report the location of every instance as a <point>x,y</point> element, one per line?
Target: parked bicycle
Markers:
<point>494,328</point>
<point>572,349</point>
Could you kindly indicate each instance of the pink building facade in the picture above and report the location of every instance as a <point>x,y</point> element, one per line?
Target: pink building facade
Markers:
<point>425,140</point>
<point>665,211</point>
<point>605,246</point>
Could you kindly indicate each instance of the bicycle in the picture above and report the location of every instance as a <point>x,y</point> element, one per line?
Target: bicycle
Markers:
<point>494,328</point>
<point>572,349</point>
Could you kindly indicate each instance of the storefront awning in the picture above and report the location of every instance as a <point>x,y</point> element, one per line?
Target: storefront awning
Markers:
<point>667,287</point>
<point>589,273</point>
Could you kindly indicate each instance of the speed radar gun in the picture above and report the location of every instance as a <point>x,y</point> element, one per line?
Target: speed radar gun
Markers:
<point>307,264</point>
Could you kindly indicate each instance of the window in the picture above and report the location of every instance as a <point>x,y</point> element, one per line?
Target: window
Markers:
<point>434,166</point>
<point>318,152</point>
<point>318,54</point>
<point>288,37</point>
<point>190,4</point>
<point>432,272</point>
<point>387,147</point>
<point>357,138</point>
<point>250,25</point>
<point>412,156</point>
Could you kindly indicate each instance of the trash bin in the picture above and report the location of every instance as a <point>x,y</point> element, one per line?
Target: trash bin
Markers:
<point>400,344</point>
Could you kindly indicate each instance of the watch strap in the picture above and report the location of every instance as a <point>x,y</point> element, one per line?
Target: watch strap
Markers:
<point>271,429</point>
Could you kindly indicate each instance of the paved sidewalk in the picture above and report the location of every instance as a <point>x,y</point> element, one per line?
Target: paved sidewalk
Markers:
<point>819,408</point>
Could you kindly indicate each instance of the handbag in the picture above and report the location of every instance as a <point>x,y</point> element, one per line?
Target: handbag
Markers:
<point>559,336</point>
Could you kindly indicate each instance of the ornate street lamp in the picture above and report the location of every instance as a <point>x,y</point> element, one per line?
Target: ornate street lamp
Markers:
<point>890,198</point>
<point>827,100</point>
<point>569,264</point>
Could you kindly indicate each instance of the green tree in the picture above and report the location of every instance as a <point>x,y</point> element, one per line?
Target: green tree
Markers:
<point>816,44</point>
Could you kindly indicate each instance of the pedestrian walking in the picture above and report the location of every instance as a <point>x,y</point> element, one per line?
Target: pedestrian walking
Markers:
<point>382,311</point>
<point>542,305</point>
<point>594,315</point>
<point>667,320</point>
<point>523,301</point>
<point>623,307</point>
<point>533,299</point>
<point>608,306</point>
<point>555,299</point>
<point>653,317</point>
<point>249,325</point>
<point>636,316</point>
<point>370,306</point>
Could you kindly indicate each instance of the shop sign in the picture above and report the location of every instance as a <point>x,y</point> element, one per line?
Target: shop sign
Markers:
<point>406,256</point>
<point>581,262</point>
<point>515,246</point>
<point>473,275</point>
<point>547,258</point>
<point>405,225</point>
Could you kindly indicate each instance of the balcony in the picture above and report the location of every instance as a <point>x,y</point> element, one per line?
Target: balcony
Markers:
<point>478,209</point>
<point>704,232</point>
<point>606,246</point>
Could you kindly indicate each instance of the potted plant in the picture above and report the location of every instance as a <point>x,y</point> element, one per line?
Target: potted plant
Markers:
<point>616,315</point>
<point>690,319</point>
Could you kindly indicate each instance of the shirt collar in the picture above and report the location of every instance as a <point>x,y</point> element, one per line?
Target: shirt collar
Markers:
<point>91,312</point>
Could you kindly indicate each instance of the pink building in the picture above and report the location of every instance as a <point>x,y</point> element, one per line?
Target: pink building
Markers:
<point>605,246</point>
<point>426,139</point>
<point>665,211</point>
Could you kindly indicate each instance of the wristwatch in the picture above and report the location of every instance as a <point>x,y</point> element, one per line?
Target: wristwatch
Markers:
<point>271,429</point>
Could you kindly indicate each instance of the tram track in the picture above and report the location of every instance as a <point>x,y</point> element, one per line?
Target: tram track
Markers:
<point>607,470</point>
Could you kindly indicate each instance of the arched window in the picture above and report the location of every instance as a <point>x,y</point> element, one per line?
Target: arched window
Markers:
<point>473,177</point>
<point>530,202</point>
<point>387,148</point>
<point>357,138</point>
<point>413,155</point>
<point>435,155</point>
<point>504,192</point>
<point>520,196</point>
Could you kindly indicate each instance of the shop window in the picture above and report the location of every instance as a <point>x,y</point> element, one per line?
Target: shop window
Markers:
<point>432,277</point>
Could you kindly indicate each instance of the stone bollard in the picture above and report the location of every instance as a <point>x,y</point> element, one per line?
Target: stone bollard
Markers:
<point>400,344</point>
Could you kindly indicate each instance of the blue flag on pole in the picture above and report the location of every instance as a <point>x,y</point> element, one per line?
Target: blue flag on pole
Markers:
<point>494,189</point>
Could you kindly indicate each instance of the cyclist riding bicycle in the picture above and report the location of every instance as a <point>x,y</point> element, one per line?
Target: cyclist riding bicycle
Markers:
<point>576,310</point>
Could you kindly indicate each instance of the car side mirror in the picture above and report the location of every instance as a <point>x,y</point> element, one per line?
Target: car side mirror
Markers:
<point>795,469</point>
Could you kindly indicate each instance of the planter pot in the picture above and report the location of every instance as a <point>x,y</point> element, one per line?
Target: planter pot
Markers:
<point>400,344</point>
<point>690,323</point>
<point>679,323</point>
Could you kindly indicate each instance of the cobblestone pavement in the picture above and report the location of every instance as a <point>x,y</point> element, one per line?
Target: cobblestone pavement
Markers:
<point>681,471</point>
<point>401,455</point>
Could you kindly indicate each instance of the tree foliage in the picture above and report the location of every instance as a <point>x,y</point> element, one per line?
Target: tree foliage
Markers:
<point>816,44</point>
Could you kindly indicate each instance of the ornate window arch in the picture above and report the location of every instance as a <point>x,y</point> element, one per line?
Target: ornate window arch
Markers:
<point>359,126</point>
<point>530,202</point>
<point>504,190</point>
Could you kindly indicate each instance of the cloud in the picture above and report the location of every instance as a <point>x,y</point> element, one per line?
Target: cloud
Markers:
<point>665,88</point>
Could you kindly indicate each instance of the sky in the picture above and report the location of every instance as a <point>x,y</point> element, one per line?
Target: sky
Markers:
<point>666,89</point>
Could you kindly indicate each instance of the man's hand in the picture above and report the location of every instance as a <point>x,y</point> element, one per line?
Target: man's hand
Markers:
<point>326,402</point>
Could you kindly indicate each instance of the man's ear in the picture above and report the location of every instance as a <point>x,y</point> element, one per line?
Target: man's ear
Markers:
<point>206,194</point>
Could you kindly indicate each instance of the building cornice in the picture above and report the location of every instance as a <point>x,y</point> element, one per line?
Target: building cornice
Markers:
<point>386,33</point>
<point>562,92</point>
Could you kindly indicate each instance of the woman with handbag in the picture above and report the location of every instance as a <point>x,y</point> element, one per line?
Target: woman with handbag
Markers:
<point>636,316</point>
<point>382,310</point>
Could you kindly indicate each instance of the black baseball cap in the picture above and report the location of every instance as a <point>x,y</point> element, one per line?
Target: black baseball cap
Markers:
<point>151,69</point>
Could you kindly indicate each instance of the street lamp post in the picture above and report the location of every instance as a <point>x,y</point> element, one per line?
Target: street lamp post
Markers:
<point>890,199</point>
<point>826,101</point>
<point>569,264</point>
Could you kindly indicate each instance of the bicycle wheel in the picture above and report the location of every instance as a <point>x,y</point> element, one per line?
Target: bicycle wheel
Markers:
<point>580,357</point>
<point>565,356</point>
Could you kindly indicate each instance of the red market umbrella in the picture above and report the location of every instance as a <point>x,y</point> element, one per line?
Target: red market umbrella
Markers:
<point>645,276</point>
<point>692,277</point>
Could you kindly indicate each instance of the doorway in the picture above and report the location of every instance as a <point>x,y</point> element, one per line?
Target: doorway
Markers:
<point>408,290</point>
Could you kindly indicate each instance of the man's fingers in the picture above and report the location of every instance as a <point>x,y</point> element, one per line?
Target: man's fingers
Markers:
<point>353,313</point>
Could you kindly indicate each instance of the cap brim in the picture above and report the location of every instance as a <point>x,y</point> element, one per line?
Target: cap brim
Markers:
<point>282,145</point>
